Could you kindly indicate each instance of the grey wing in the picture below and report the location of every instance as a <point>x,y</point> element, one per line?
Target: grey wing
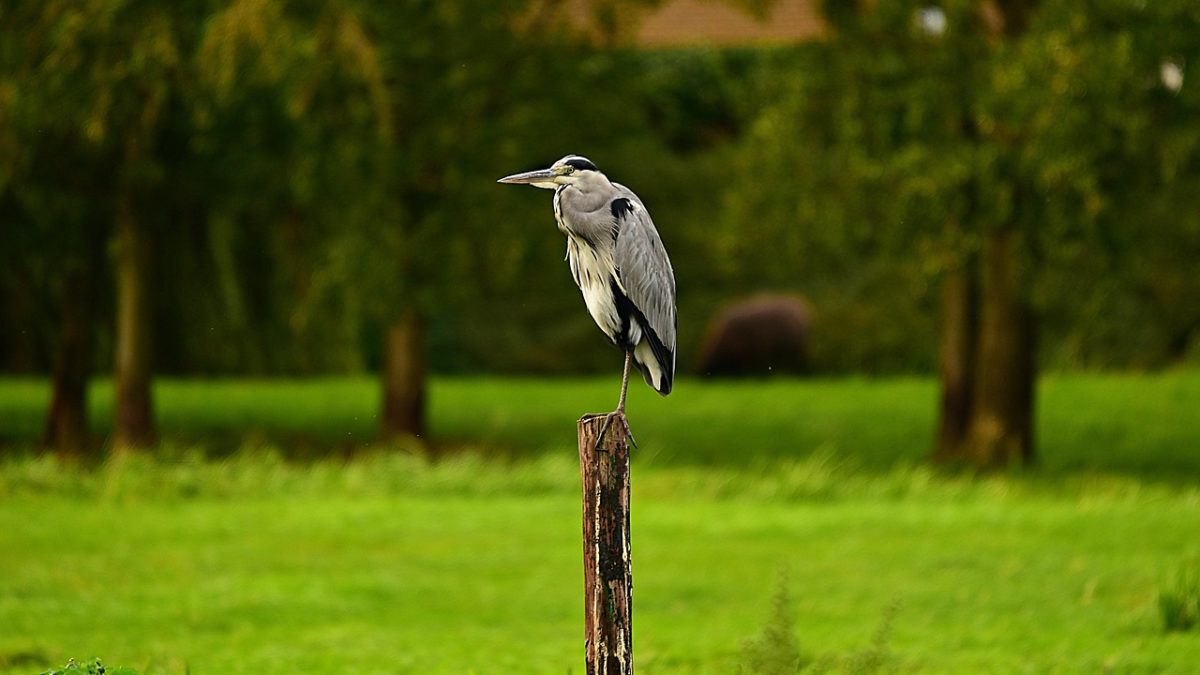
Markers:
<point>646,275</point>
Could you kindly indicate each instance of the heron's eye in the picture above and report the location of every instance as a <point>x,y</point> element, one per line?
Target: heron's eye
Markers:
<point>570,169</point>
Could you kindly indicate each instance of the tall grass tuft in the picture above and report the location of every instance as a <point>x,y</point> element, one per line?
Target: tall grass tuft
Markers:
<point>775,651</point>
<point>1179,599</point>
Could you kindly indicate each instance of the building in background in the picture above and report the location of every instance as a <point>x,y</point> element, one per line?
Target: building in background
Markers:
<point>709,22</point>
<point>699,23</point>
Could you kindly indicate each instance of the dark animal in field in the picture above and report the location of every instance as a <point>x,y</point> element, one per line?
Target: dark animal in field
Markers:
<point>761,335</point>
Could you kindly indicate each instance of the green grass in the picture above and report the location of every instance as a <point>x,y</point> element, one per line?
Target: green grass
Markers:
<point>1144,425</point>
<point>393,563</point>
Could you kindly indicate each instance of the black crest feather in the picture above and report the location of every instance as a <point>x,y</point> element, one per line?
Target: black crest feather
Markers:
<point>582,163</point>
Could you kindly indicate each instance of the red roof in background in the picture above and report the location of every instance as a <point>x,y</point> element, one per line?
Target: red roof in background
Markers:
<point>710,22</point>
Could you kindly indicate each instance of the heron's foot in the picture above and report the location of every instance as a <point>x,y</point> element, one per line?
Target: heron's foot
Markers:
<point>620,418</point>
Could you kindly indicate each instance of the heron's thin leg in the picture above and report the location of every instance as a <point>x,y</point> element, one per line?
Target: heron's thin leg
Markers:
<point>625,381</point>
<point>620,411</point>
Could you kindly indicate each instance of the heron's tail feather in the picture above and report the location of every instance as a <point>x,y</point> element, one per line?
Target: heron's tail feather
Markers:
<point>656,362</point>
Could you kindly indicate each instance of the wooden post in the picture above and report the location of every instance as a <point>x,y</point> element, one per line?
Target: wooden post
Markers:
<point>607,579</point>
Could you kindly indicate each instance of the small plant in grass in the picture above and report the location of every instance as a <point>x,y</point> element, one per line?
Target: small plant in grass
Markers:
<point>873,659</point>
<point>1179,599</point>
<point>93,667</point>
<point>775,651</point>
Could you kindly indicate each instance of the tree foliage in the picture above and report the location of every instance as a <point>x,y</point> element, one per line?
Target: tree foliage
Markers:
<point>308,169</point>
<point>887,152</point>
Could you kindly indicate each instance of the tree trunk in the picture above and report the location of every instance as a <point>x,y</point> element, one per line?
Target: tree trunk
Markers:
<point>404,378</point>
<point>134,425</point>
<point>956,351</point>
<point>1001,430</point>
<point>607,564</point>
<point>66,424</point>
<point>20,341</point>
<point>1000,406</point>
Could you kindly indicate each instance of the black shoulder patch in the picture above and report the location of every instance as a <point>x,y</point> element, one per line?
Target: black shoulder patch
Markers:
<point>621,207</point>
<point>582,163</point>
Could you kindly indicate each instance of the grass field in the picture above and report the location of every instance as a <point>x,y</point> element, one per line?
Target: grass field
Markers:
<point>1143,425</point>
<point>395,563</point>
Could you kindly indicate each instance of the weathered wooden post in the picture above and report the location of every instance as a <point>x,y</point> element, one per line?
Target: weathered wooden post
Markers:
<point>607,580</point>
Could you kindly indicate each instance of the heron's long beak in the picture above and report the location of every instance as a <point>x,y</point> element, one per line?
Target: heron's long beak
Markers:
<point>540,178</point>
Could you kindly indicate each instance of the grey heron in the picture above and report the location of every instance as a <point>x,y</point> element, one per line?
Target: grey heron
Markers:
<point>620,265</point>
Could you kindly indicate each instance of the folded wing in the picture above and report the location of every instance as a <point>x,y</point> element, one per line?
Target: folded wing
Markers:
<point>647,280</point>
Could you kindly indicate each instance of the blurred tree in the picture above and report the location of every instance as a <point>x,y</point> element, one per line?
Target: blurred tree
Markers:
<point>102,77</point>
<point>450,68</point>
<point>1000,407</point>
<point>176,99</point>
<point>66,428</point>
<point>292,131</point>
<point>1081,125</point>
<point>82,107</point>
<point>972,143</point>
